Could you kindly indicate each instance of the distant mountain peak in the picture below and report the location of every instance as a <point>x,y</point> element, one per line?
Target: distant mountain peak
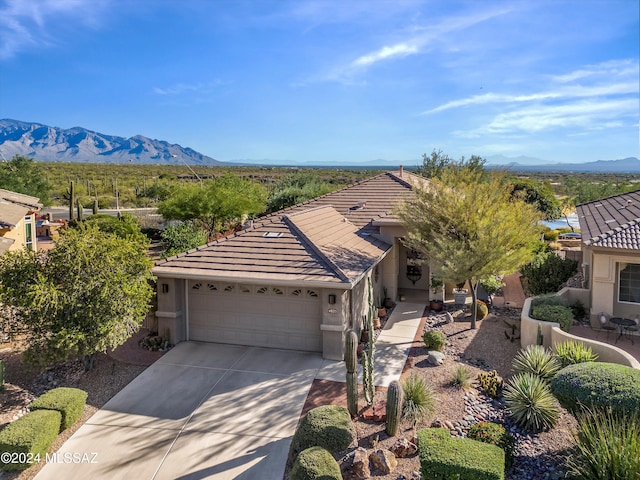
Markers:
<point>78,144</point>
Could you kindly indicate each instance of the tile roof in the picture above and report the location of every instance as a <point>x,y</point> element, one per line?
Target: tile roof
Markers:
<point>14,206</point>
<point>612,222</point>
<point>324,240</point>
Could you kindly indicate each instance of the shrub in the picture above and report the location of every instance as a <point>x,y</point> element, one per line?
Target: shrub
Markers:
<point>554,313</point>
<point>491,284</point>
<point>494,434</point>
<point>481,310</point>
<point>329,427</point>
<point>461,377</point>
<point>315,463</point>
<point>578,309</point>
<point>537,360</point>
<point>30,436</point>
<point>571,352</point>
<point>598,384</point>
<point>443,457</point>
<point>606,446</point>
<point>530,402</point>
<point>491,383</point>
<point>551,235</point>
<point>547,300</point>
<point>548,272</point>
<point>434,340</point>
<point>419,399</point>
<point>68,401</point>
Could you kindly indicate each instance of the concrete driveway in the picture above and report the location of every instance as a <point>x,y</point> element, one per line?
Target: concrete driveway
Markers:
<point>203,410</point>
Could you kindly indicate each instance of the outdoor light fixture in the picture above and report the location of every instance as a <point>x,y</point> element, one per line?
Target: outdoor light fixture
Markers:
<point>332,299</point>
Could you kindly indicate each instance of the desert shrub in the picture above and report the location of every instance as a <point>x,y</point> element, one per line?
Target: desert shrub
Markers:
<point>491,383</point>
<point>434,340</point>
<point>554,313</point>
<point>315,463</point>
<point>598,384</point>
<point>606,446</point>
<point>571,352</point>
<point>547,272</point>
<point>491,284</point>
<point>495,434</point>
<point>461,377</point>
<point>329,427</point>
<point>444,457</point>
<point>530,402</point>
<point>537,360</point>
<point>68,401</point>
<point>547,300</point>
<point>551,235</point>
<point>419,399</point>
<point>30,436</point>
<point>578,309</point>
<point>481,310</point>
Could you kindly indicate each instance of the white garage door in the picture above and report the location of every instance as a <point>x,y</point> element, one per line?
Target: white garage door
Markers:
<point>263,316</point>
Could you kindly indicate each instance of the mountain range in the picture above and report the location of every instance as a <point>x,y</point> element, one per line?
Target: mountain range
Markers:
<point>77,144</point>
<point>49,144</point>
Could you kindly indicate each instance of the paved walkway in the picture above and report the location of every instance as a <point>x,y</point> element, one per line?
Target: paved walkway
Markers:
<point>513,293</point>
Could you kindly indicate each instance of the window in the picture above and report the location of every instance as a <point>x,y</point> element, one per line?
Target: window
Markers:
<point>28,232</point>
<point>211,287</point>
<point>197,286</point>
<point>277,291</point>
<point>245,289</point>
<point>229,288</point>
<point>629,283</point>
<point>262,290</point>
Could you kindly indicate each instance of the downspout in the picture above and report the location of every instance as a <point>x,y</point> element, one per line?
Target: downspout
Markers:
<point>186,309</point>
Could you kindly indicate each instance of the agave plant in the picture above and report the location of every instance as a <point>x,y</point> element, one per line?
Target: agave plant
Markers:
<point>571,352</point>
<point>535,359</point>
<point>530,402</point>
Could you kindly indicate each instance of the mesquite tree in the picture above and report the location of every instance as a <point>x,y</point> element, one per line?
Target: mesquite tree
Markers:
<point>470,226</point>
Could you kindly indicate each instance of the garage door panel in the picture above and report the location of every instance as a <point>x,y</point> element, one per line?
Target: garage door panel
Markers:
<point>277,321</point>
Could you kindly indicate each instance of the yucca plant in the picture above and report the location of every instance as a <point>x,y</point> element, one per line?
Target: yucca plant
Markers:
<point>461,377</point>
<point>530,402</point>
<point>419,399</point>
<point>537,360</point>
<point>607,446</point>
<point>571,352</point>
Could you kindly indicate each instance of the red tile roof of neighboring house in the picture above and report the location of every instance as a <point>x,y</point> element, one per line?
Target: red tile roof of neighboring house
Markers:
<point>612,222</point>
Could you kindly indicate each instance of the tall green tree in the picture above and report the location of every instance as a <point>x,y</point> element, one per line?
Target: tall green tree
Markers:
<point>296,188</point>
<point>216,205</point>
<point>539,195</point>
<point>86,295</point>
<point>23,175</point>
<point>469,226</point>
<point>182,237</point>
<point>434,165</point>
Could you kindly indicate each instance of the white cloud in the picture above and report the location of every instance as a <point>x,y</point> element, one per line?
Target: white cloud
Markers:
<point>184,88</point>
<point>32,23</point>
<point>613,68</point>
<point>399,50</point>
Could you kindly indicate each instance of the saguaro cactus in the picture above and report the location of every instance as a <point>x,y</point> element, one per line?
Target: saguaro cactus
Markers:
<point>71,193</point>
<point>367,365</point>
<point>395,401</point>
<point>95,206</point>
<point>80,209</point>
<point>351,361</point>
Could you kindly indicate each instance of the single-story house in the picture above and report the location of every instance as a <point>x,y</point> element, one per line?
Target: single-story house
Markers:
<point>17,221</point>
<point>298,278</point>
<point>611,254</point>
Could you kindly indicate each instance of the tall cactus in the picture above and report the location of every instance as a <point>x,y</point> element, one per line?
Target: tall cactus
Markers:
<point>96,207</point>
<point>367,365</point>
<point>72,200</point>
<point>351,361</point>
<point>395,401</point>
<point>80,209</point>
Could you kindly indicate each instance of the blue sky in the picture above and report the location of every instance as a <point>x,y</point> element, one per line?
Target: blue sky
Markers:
<point>340,81</point>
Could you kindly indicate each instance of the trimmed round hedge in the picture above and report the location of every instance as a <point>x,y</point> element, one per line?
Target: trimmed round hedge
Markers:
<point>598,384</point>
<point>315,463</point>
<point>329,427</point>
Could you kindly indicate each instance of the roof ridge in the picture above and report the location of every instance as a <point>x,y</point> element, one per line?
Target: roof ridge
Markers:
<point>610,233</point>
<point>337,270</point>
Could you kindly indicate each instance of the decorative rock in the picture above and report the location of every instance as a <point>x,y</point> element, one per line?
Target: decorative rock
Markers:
<point>384,460</point>
<point>360,464</point>
<point>435,358</point>
<point>404,448</point>
<point>448,317</point>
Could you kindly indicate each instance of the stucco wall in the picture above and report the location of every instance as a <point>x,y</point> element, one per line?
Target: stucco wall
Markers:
<point>553,334</point>
<point>18,234</point>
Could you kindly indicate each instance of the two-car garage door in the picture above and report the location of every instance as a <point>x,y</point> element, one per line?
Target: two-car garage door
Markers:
<point>263,316</point>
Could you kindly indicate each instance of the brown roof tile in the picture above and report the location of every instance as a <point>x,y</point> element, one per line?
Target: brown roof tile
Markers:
<point>14,206</point>
<point>325,240</point>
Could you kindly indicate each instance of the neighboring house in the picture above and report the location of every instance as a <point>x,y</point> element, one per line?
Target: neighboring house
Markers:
<point>611,254</point>
<point>295,279</point>
<point>17,221</point>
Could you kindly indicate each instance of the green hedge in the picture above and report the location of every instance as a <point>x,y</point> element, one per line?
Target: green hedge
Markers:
<point>315,463</point>
<point>329,427</point>
<point>598,384</point>
<point>443,457</point>
<point>68,401</point>
<point>27,440</point>
<point>554,313</point>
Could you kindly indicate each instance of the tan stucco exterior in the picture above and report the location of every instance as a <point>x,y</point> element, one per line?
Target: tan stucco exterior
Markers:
<point>18,233</point>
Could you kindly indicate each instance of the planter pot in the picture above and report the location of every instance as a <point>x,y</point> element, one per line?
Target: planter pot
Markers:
<point>382,312</point>
<point>436,305</point>
<point>360,349</point>
<point>364,336</point>
<point>388,303</point>
<point>376,323</point>
<point>460,296</point>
